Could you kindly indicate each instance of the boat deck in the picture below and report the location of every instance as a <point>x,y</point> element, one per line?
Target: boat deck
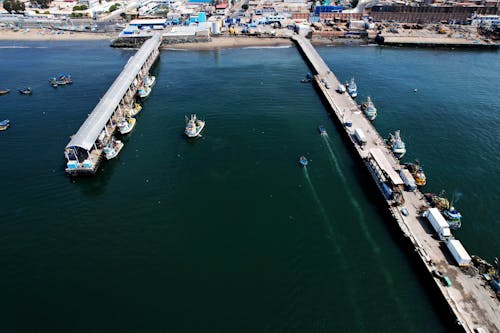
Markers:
<point>472,303</point>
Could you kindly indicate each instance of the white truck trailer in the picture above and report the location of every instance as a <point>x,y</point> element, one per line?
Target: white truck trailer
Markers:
<point>458,252</point>
<point>438,222</point>
<point>408,179</point>
<point>360,136</point>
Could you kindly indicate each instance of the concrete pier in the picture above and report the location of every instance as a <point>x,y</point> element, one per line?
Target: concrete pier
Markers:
<point>472,304</point>
<point>85,150</point>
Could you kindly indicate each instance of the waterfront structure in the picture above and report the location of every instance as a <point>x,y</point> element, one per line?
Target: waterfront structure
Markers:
<point>473,306</point>
<point>85,149</point>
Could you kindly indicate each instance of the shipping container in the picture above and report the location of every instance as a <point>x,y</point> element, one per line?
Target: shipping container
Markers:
<point>458,252</point>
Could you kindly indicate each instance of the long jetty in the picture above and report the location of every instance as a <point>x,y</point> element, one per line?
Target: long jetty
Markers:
<point>473,306</point>
<point>84,152</point>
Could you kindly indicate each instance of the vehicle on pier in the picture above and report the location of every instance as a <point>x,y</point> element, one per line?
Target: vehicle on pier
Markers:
<point>126,125</point>
<point>352,88</point>
<point>194,126</point>
<point>143,91</point>
<point>133,110</point>
<point>149,80</point>
<point>4,92</point>
<point>396,144</point>
<point>113,148</point>
<point>369,109</point>
<point>322,130</point>
<point>341,88</point>
<point>303,161</point>
<point>417,172</point>
<point>4,124</point>
<point>25,91</point>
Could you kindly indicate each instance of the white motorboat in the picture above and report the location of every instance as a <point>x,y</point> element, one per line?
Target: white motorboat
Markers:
<point>149,80</point>
<point>397,145</point>
<point>113,148</point>
<point>126,125</point>
<point>144,92</point>
<point>369,108</point>
<point>194,126</point>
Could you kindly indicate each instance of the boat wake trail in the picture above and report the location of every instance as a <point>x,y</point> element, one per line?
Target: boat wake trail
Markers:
<point>342,263</point>
<point>362,222</point>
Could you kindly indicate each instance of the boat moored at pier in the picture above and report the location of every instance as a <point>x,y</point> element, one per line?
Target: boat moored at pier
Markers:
<point>369,109</point>
<point>126,125</point>
<point>113,148</point>
<point>352,88</point>
<point>417,172</point>
<point>396,144</point>
<point>144,91</point>
<point>133,110</point>
<point>149,80</point>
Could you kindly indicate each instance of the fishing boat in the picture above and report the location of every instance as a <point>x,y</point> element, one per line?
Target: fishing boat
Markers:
<point>417,172</point>
<point>352,88</point>
<point>126,125</point>
<point>303,160</point>
<point>396,144</point>
<point>453,217</point>
<point>322,130</point>
<point>4,92</point>
<point>149,80</point>
<point>4,124</point>
<point>307,79</point>
<point>113,148</point>
<point>133,110</point>
<point>25,91</point>
<point>144,91</point>
<point>194,126</point>
<point>61,80</point>
<point>369,109</point>
<point>341,88</point>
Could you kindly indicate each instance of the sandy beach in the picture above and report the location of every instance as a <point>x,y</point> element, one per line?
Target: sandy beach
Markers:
<point>46,35</point>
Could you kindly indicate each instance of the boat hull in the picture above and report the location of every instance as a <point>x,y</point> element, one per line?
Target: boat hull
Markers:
<point>196,133</point>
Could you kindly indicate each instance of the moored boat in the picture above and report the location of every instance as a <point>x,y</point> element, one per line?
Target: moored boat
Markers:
<point>133,110</point>
<point>396,144</point>
<point>149,80</point>
<point>194,126</point>
<point>417,172</point>
<point>113,148</point>
<point>126,125</point>
<point>303,160</point>
<point>25,91</point>
<point>4,92</point>
<point>369,109</point>
<point>61,80</point>
<point>307,79</point>
<point>352,88</point>
<point>144,91</point>
<point>4,124</point>
<point>453,217</point>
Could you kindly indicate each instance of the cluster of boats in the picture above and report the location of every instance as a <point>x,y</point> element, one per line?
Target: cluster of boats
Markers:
<point>127,120</point>
<point>60,80</point>
<point>450,213</point>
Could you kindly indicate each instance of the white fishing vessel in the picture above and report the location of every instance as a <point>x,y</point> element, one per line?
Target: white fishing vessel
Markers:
<point>369,108</point>
<point>352,88</point>
<point>144,91</point>
<point>149,80</point>
<point>194,126</point>
<point>396,144</point>
<point>113,148</point>
<point>126,125</point>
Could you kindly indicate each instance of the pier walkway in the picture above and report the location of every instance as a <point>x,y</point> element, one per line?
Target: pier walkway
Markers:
<point>85,149</point>
<point>472,304</point>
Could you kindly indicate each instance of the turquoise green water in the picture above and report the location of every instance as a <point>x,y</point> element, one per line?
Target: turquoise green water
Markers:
<point>227,233</point>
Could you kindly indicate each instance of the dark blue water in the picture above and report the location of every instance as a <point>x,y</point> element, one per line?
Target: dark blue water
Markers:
<point>227,233</point>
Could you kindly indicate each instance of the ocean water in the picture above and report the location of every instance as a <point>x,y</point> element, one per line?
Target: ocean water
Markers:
<point>226,233</point>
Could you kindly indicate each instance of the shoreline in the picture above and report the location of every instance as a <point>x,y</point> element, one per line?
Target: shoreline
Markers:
<point>35,35</point>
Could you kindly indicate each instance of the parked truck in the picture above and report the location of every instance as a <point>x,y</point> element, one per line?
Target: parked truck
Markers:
<point>360,136</point>
<point>458,252</point>
<point>408,179</point>
<point>438,222</point>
